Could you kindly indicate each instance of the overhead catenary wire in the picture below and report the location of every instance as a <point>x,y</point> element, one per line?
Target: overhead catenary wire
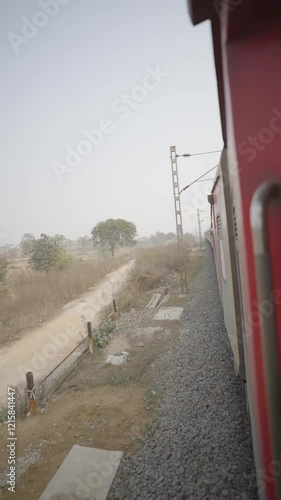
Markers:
<point>199,154</point>
<point>198,179</point>
<point>204,180</point>
<point>205,218</point>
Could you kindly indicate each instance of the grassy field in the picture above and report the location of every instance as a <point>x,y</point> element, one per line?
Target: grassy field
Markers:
<point>33,297</point>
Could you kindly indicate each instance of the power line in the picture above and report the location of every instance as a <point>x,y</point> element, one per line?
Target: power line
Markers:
<point>205,218</point>
<point>199,154</point>
<point>196,180</point>
<point>204,180</point>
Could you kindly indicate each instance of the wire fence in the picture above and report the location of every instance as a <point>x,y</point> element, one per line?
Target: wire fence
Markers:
<point>47,386</point>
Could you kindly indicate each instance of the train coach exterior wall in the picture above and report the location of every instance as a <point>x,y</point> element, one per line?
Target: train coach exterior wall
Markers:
<point>224,247</point>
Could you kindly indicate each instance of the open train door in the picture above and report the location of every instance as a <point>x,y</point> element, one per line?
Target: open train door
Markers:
<point>247,51</point>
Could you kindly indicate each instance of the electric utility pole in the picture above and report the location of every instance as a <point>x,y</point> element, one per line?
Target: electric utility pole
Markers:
<point>179,228</point>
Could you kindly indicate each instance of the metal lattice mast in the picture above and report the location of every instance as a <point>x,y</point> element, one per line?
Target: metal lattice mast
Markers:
<point>179,228</point>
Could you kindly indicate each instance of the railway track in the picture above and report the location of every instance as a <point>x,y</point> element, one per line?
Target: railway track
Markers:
<point>201,446</point>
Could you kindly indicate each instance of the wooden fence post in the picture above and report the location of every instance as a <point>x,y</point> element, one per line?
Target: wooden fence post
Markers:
<point>31,393</point>
<point>90,337</point>
<point>115,312</point>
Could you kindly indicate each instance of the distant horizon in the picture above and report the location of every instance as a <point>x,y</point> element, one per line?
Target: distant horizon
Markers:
<point>89,235</point>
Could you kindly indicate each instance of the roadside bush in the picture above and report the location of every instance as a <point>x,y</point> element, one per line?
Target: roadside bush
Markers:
<point>101,335</point>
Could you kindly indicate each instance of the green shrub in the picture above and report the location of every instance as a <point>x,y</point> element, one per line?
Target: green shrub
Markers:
<point>47,253</point>
<point>63,259</point>
<point>101,335</point>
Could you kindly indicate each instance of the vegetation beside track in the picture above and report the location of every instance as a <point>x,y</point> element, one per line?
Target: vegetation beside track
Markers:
<point>31,297</point>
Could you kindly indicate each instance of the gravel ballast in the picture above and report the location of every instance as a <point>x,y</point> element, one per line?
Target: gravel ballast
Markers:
<point>201,445</point>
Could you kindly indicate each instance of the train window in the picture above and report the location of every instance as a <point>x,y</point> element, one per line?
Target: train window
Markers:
<point>219,230</point>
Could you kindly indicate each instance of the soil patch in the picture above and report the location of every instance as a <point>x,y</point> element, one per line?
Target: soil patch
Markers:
<point>103,417</point>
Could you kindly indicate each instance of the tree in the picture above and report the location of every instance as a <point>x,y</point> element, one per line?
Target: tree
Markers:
<point>171,237</point>
<point>190,239</point>
<point>84,242</point>
<point>63,259</point>
<point>60,239</point>
<point>13,253</point>
<point>26,243</point>
<point>113,233</point>
<point>144,242</point>
<point>158,239</point>
<point>47,253</point>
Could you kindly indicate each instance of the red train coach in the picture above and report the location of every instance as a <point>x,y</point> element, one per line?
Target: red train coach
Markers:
<point>246,210</point>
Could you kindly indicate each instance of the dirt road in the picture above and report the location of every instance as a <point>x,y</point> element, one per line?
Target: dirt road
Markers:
<point>41,349</point>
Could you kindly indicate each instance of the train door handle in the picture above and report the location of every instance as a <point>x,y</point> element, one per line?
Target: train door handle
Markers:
<point>258,212</point>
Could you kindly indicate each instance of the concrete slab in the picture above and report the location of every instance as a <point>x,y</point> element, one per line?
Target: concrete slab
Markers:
<point>169,313</point>
<point>153,301</point>
<point>86,473</point>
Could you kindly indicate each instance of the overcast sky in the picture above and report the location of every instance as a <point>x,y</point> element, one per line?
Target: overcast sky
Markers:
<point>136,74</point>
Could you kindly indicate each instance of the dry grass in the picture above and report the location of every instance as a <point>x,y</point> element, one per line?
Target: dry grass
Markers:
<point>152,265</point>
<point>34,297</point>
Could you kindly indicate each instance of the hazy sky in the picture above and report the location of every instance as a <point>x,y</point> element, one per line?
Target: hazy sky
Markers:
<point>139,74</point>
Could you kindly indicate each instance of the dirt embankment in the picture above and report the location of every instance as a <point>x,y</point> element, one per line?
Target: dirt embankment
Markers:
<point>42,349</point>
<point>99,405</point>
